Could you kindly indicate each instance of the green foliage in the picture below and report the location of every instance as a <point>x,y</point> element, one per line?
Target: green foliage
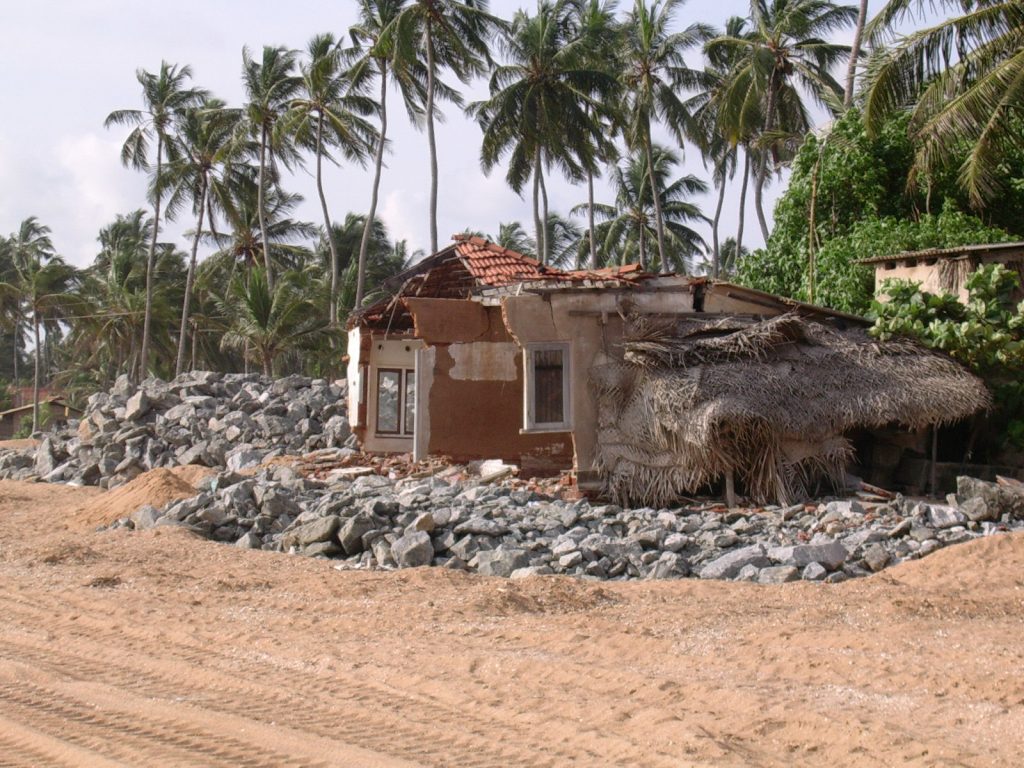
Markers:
<point>862,208</point>
<point>986,334</point>
<point>25,425</point>
<point>5,395</point>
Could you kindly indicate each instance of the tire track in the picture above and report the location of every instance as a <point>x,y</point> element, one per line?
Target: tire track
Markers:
<point>375,717</point>
<point>16,754</point>
<point>123,736</point>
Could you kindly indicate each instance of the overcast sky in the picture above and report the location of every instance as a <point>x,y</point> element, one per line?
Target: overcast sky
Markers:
<point>65,64</point>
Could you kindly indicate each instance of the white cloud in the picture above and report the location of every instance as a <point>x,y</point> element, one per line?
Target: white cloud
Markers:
<point>95,188</point>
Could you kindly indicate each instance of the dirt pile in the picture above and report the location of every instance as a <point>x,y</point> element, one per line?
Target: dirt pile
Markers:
<point>157,487</point>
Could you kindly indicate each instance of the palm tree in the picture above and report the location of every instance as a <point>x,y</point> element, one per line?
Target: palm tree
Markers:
<point>10,307</point>
<point>513,236</point>
<point>164,96</point>
<point>243,244</point>
<point>729,259</point>
<point>384,259</point>
<point>42,284</point>
<point>270,85</point>
<point>718,148</point>
<point>538,106</point>
<point>783,56</point>
<point>371,58</point>
<point>654,74</point>
<point>855,49</point>
<point>329,114</point>
<point>629,225</point>
<point>200,175</point>
<point>268,323</point>
<point>597,25</point>
<point>564,241</point>
<point>450,34</point>
<point>106,339</point>
<point>962,79</point>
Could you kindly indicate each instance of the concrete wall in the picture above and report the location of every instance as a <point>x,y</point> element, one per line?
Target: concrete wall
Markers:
<point>385,352</point>
<point>591,324</point>
<point>927,274</point>
<point>475,400</point>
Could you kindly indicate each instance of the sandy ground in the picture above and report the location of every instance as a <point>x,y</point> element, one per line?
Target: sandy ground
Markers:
<point>155,648</point>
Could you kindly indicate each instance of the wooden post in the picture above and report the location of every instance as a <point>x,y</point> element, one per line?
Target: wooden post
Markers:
<point>934,479</point>
<point>730,489</point>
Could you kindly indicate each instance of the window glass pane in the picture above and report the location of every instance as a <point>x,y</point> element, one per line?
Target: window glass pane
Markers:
<point>548,369</point>
<point>410,401</point>
<point>388,383</point>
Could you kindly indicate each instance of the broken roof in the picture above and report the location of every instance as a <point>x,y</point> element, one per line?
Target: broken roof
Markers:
<point>474,264</point>
<point>960,251</point>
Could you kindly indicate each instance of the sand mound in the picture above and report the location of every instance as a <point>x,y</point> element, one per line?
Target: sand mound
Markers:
<point>192,473</point>
<point>157,487</point>
<point>976,565</point>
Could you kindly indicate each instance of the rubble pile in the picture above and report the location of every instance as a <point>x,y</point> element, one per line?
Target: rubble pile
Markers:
<point>372,521</point>
<point>286,479</point>
<point>230,421</point>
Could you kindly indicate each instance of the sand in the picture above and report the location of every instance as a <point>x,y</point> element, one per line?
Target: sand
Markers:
<point>157,487</point>
<point>160,649</point>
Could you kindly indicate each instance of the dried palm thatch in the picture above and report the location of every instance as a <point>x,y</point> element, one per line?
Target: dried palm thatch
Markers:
<point>768,401</point>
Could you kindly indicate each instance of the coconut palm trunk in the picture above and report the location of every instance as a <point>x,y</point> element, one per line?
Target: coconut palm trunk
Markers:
<point>538,228</point>
<point>147,320</point>
<point>260,204</point>
<point>190,277</point>
<point>333,311</point>
<point>35,379</point>
<point>851,72</point>
<point>716,254</point>
<point>743,202</point>
<point>432,144</point>
<point>364,244</point>
<point>590,219</point>
<point>546,223</point>
<point>762,166</point>
<point>659,224</point>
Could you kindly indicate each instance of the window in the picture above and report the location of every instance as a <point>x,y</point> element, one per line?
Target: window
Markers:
<point>396,401</point>
<point>547,387</point>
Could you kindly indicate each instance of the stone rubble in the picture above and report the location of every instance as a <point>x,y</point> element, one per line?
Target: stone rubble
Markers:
<point>235,423</point>
<point>492,529</point>
<point>232,421</point>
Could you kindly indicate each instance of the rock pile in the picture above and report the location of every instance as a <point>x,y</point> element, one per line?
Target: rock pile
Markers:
<point>491,529</point>
<point>235,423</point>
<point>230,421</point>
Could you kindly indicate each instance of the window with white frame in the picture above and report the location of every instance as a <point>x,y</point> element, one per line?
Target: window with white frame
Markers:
<point>396,401</point>
<point>548,405</point>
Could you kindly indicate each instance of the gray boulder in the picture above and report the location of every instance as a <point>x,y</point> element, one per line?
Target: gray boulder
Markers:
<point>501,561</point>
<point>730,564</point>
<point>413,550</point>
<point>941,516</point>
<point>1001,500</point>
<point>778,574</point>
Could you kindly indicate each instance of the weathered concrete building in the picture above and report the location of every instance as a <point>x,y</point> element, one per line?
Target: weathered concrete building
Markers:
<point>945,270</point>
<point>480,352</point>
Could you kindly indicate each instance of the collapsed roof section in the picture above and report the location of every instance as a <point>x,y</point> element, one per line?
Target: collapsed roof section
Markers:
<point>475,267</point>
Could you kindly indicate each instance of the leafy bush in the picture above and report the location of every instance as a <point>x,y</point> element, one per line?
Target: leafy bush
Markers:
<point>863,207</point>
<point>986,334</point>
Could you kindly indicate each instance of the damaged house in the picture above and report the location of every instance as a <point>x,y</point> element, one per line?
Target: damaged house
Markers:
<point>645,387</point>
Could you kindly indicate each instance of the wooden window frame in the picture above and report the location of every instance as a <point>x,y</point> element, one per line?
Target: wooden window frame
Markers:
<point>529,384</point>
<point>408,377</point>
<point>405,430</point>
<point>376,426</point>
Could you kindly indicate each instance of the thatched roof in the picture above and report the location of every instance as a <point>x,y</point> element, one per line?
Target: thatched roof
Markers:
<point>768,400</point>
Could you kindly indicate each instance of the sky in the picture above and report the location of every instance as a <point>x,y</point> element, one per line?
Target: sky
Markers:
<point>65,64</point>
